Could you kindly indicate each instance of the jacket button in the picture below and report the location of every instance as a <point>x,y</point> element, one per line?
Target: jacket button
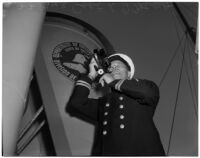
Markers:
<point>107,104</point>
<point>121,106</point>
<point>105,113</point>
<point>104,132</point>
<point>121,98</point>
<point>121,116</point>
<point>122,126</point>
<point>105,122</point>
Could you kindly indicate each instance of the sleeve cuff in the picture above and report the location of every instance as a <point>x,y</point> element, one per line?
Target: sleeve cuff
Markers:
<point>84,81</point>
<point>116,84</point>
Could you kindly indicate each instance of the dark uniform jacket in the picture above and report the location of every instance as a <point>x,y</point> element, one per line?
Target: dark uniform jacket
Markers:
<point>123,118</point>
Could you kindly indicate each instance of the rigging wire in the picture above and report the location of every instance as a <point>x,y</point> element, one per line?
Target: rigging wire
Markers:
<point>189,10</point>
<point>175,53</point>
<point>182,25</point>
<point>174,15</point>
<point>192,71</point>
<point>189,58</point>
<point>177,95</point>
<point>183,56</point>
<point>176,18</point>
<point>192,47</point>
<point>188,78</point>
<point>171,61</point>
<point>193,30</point>
<point>190,14</point>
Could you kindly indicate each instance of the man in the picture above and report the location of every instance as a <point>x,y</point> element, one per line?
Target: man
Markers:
<point>124,117</point>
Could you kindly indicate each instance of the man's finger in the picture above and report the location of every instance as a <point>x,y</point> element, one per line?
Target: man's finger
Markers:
<point>101,81</point>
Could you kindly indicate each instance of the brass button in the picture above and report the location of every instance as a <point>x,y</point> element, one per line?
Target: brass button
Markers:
<point>121,98</point>
<point>122,126</point>
<point>105,122</point>
<point>121,116</point>
<point>105,113</point>
<point>107,104</point>
<point>104,132</point>
<point>121,106</point>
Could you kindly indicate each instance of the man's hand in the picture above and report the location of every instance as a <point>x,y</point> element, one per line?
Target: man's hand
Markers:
<point>93,73</point>
<point>106,78</point>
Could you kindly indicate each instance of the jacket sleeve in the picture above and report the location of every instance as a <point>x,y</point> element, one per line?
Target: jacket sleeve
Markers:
<point>80,105</point>
<point>144,91</point>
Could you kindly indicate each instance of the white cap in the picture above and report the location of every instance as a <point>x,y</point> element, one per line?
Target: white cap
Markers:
<point>128,61</point>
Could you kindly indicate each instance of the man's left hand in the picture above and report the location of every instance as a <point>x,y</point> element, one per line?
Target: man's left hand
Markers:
<point>106,78</point>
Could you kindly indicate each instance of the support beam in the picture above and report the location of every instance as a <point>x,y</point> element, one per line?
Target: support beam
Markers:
<point>51,108</point>
<point>22,23</point>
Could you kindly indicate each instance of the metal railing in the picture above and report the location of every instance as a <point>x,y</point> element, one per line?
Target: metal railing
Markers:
<point>27,127</point>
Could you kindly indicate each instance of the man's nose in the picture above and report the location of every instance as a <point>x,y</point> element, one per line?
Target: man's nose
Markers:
<point>110,69</point>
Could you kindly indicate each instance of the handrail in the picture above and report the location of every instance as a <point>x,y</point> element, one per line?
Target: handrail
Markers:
<point>30,123</point>
<point>32,136</point>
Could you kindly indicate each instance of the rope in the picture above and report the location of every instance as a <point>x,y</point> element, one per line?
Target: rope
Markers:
<point>180,77</point>
<point>171,60</point>
<point>177,94</point>
<point>189,11</point>
<point>178,19</point>
<point>192,71</point>
<point>181,24</point>
<point>174,54</point>
<point>190,63</point>
<point>194,104</point>
<point>188,14</point>
<point>195,99</point>
<point>174,17</point>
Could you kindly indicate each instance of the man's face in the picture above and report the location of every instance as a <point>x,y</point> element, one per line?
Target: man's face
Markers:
<point>118,70</point>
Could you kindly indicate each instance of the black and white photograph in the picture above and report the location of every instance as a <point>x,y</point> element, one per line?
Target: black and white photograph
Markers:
<point>105,78</point>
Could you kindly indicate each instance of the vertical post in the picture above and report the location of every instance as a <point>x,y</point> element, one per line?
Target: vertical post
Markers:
<point>22,23</point>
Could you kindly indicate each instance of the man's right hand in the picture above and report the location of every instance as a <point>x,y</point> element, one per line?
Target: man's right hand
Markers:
<point>92,71</point>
